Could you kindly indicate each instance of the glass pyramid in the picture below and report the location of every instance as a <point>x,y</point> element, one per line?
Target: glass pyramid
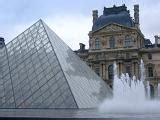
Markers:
<point>38,70</point>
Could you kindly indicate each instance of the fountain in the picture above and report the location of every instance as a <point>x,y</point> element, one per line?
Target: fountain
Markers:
<point>130,95</point>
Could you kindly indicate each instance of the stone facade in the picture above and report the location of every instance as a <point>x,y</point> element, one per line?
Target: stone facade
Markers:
<point>122,43</point>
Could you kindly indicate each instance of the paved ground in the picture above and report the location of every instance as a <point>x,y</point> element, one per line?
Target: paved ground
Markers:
<point>71,113</point>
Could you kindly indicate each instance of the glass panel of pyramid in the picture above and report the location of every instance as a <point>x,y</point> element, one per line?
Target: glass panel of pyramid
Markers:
<point>38,70</point>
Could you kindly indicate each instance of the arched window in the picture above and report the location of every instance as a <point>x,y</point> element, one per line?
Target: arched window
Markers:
<point>110,72</point>
<point>112,42</point>
<point>128,42</point>
<point>97,44</point>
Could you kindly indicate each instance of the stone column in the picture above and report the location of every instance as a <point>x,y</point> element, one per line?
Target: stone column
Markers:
<point>102,74</point>
<point>119,68</point>
<point>103,71</point>
<point>137,70</point>
<point>134,68</point>
<point>155,91</point>
<point>122,67</point>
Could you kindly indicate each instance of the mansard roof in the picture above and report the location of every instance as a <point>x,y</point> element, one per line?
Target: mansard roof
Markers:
<point>119,15</point>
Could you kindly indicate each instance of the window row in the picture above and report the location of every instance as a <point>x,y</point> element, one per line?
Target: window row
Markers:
<point>128,42</point>
<point>128,69</point>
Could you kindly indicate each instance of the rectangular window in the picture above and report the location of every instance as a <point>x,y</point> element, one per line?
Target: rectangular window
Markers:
<point>112,45</point>
<point>110,72</point>
<point>128,41</point>
<point>112,42</point>
<point>128,70</point>
<point>97,70</point>
<point>149,56</point>
<point>150,71</point>
<point>97,44</point>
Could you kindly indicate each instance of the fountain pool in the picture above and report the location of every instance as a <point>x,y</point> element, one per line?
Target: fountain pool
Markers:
<point>130,95</point>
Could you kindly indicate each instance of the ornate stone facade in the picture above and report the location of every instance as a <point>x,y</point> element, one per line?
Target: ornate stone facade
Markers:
<point>120,40</point>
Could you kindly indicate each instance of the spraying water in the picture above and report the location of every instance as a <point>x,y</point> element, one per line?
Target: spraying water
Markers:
<point>130,95</point>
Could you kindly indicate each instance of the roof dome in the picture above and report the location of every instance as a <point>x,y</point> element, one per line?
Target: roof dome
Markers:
<point>119,15</point>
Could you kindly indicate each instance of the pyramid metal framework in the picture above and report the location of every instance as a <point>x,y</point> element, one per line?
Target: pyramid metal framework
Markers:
<point>38,70</point>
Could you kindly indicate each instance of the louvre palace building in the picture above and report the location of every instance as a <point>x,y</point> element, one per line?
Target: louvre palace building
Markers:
<point>116,37</point>
<point>39,71</point>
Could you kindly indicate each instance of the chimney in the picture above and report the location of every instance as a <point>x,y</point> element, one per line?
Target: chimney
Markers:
<point>2,43</point>
<point>82,46</point>
<point>95,16</point>
<point>136,15</point>
<point>157,38</point>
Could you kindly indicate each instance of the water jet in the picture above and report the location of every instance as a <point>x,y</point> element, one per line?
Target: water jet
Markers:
<point>130,95</point>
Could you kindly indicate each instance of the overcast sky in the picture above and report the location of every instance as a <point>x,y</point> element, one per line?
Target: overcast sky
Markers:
<point>70,19</point>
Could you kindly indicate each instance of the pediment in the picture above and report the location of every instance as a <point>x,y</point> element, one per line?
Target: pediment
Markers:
<point>113,28</point>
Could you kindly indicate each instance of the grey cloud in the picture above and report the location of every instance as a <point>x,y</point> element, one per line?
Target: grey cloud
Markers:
<point>15,13</point>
